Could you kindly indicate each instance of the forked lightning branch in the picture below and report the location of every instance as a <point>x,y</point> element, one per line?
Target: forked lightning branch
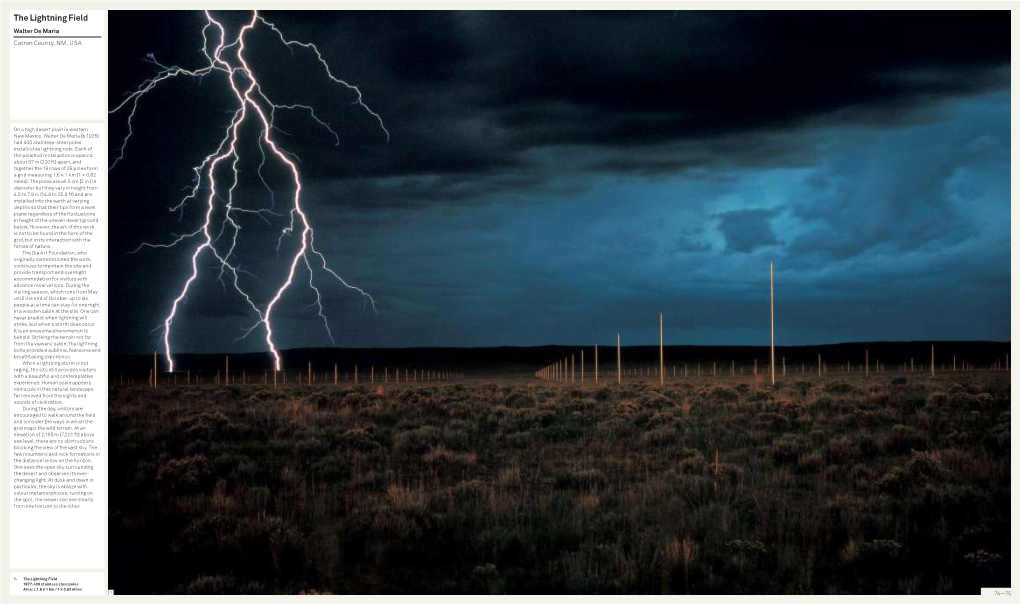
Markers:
<point>217,175</point>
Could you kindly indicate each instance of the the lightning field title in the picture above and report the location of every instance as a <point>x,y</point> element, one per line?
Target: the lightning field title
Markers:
<point>49,18</point>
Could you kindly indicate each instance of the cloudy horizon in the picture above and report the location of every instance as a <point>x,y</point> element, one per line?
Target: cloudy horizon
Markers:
<point>554,178</point>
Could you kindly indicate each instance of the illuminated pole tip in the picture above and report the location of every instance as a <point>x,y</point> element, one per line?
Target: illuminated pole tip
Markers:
<point>251,100</point>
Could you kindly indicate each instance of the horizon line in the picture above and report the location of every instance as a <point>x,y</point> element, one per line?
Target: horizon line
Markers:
<point>654,345</point>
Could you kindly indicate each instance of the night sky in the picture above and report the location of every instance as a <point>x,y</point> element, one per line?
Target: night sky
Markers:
<point>553,178</point>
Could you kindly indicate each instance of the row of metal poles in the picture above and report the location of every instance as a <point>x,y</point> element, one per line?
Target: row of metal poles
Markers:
<point>300,378</point>
<point>564,369</point>
<point>568,370</point>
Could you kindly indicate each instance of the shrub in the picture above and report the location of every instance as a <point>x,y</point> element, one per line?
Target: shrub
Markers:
<point>937,399</point>
<point>518,398</point>
<point>892,482</point>
<point>788,448</point>
<point>973,402</point>
<point>208,537</point>
<point>358,439</point>
<point>354,400</point>
<point>868,446</point>
<point>923,467</point>
<point>838,387</point>
<point>215,585</point>
<point>902,439</point>
<point>861,475</point>
<point>880,556</point>
<point>456,439</point>
<point>417,440</point>
<point>442,455</point>
<point>579,479</point>
<point>810,462</point>
<point>203,427</point>
<point>723,394</point>
<point>692,465</point>
<point>840,450</point>
<point>982,559</point>
<point>486,579</point>
<point>773,421</point>
<point>661,437</point>
<point>332,468</point>
<point>749,548</point>
<point>559,432</point>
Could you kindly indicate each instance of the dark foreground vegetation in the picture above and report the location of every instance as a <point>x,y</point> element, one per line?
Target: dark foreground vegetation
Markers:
<point>895,484</point>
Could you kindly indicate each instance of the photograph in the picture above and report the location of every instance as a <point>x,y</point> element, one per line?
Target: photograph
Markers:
<point>677,302</point>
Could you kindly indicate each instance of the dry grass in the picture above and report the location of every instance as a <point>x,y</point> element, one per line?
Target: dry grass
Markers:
<point>815,486</point>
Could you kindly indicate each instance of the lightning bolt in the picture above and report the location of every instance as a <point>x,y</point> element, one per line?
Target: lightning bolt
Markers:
<point>220,241</point>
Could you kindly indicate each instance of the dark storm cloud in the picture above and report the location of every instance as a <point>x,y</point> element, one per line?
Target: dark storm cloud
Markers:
<point>904,192</point>
<point>477,92</point>
<point>554,175</point>
<point>747,230</point>
<point>641,92</point>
